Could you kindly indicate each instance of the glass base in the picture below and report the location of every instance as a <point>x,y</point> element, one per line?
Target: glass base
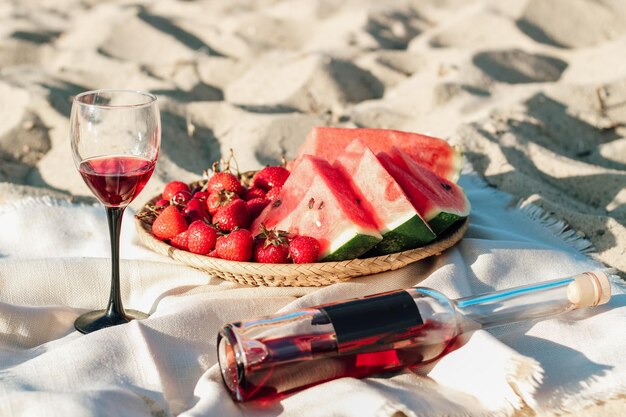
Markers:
<point>96,320</point>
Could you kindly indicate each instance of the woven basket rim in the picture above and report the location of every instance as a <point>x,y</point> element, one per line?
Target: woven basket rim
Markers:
<point>313,274</point>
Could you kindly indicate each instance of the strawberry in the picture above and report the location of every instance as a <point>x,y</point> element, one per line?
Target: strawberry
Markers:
<point>201,195</point>
<point>194,204</point>
<point>162,203</point>
<point>225,181</point>
<point>273,194</point>
<point>169,223</point>
<point>181,198</point>
<point>269,253</point>
<point>181,240</point>
<point>256,206</point>
<point>304,249</point>
<point>232,215</point>
<point>236,246</point>
<point>271,247</point>
<point>270,177</point>
<point>202,237</point>
<point>253,192</point>
<point>219,199</point>
<point>198,215</point>
<point>172,188</point>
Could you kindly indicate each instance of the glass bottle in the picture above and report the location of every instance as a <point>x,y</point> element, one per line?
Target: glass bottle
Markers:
<point>271,356</point>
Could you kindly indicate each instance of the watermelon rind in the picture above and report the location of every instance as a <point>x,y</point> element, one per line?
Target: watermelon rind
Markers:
<point>353,248</point>
<point>443,220</point>
<point>411,234</point>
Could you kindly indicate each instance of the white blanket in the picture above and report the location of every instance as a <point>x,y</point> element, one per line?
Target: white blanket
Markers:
<point>54,266</point>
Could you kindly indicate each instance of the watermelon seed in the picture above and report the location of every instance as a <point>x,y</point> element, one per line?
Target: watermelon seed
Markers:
<point>311,203</point>
<point>320,206</point>
<point>446,187</point>
<point>358,201</point>
<point>276,203</point>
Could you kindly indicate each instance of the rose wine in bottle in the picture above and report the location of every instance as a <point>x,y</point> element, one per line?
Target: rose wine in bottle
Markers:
<point>270,356</point>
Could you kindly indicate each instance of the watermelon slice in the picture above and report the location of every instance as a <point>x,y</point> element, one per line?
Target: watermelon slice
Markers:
<point>441,202</point>
<point>398,221</point>
<point>316,200</point>
<point>432,153</point>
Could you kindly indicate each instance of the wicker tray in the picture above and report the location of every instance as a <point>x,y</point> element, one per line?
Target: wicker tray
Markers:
<point>298,275</point>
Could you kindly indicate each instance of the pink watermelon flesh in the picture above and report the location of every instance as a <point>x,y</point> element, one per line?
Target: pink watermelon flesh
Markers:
<point>433,153</point>
<point>441,202</point>
<point>317,201</point>
<point>397,220</point>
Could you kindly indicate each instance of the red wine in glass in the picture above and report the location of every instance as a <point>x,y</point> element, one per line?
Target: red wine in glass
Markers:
<point>117,180</point>
<point>115,137</point>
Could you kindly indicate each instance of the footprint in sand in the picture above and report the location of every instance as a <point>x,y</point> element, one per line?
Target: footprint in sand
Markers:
<point>153,40</point>
<point>22,147</point>
<point>378,25</point>
<point>514,66</point>
<point>36,37</point>
<point>581,22</point>
<point>486,29</point>
<point>264,138</point>
<point>19,52</point>
<point>314,83</point>
<point>191,151</point>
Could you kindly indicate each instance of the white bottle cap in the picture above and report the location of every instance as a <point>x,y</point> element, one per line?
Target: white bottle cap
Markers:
<point>589,289</point>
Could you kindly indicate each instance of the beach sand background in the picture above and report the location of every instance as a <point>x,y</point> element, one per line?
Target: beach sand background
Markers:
<point>533,91</point>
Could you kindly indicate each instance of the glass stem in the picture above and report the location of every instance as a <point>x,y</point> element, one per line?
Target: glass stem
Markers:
<point>114,217</point>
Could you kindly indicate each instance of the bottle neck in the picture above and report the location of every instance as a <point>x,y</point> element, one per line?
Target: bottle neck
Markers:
<point>533,301</point>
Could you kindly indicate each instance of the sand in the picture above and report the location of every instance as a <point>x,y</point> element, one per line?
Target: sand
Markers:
<point>534,91</point>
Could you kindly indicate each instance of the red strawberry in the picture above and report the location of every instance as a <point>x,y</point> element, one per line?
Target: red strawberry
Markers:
<point>194,204</point>
<point>169,223</point>
<point>181,198</point>
<point>271,247</point>
<point>219,199</point>
<point>162,203</point>
<point>201,195</point>
<point>181,240</point>
<point>304,249</point>
<point>172,188</point>
<point>253,192</point>
<point>269,253</point>
<point>199,215</point>
<point>225,181</point>
<point>236,246</point>
<point>270,177</point>
<point>256,206</point>
<point>213,253</point>
<point>196,210</point>
<point>202,237</point>
<point>273,194</point>
<point>232,215</point>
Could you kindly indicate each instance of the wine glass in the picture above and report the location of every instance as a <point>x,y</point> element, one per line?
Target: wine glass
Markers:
<point>115,137</point>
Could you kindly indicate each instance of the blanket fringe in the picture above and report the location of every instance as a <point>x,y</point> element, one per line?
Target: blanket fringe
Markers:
<point>557,227</point>
<point>575,240</point>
